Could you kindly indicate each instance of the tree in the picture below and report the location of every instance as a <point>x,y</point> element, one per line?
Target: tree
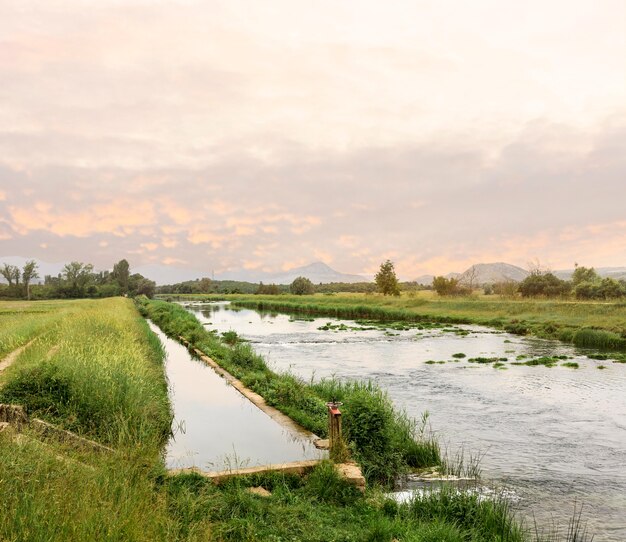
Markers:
<point>145,287</point>
<point>267,289</point>
<point>28,274</point>
<point>301,286</point>
<point>584,274</point>
<point>451,286</point>
<point>77,276</point>
<point>205,285</point>
<point>386,279</point>
<point>545,284</point>
<point>121,274</point>
<point>11,273</point>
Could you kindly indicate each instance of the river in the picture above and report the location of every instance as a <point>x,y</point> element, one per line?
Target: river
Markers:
<point>552,436</point>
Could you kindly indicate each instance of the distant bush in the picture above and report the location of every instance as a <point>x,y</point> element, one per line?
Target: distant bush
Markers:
<point>301,286</point>
<point>451,286</point>
<point>544,285</point>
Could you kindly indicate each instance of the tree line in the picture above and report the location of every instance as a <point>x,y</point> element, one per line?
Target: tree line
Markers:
<point>585,284</point>
<point>76,280</point>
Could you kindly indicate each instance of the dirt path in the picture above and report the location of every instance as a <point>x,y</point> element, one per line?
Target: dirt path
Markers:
<point>14,355</point>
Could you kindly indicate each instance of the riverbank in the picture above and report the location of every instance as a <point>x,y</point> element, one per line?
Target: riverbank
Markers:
<point>585,324</point>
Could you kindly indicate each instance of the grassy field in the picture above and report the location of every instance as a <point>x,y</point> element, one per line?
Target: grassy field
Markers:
<point>589,324</point>
<point>21,321</point>
<point>96,369</point>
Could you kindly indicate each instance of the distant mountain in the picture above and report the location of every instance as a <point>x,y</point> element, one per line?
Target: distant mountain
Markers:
<point>490,273</point>
<point>317,272</point>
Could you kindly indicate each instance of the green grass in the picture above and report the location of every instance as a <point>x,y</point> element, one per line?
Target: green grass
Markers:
<point>322,507</point>
<point>551,319</point>
<point>21,321</point>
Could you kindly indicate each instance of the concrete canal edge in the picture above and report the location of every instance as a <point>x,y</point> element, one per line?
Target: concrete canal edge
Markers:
<point>348,471</point>
<point>16,416</point>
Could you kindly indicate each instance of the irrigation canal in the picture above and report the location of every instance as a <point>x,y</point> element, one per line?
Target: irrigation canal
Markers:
<point>215,427</point>
<point>551,436</point>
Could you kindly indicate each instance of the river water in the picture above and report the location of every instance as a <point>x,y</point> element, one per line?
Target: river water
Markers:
<point>552,436</point>
<point>215,427</point>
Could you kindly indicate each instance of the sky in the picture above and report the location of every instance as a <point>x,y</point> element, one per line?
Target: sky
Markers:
<point>267,135</point>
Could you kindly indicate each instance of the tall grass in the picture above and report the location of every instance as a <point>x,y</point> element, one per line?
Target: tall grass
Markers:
<point>97,372</point>
<point>598,338</point>
<point>22,321</point>
<point>383,440</point>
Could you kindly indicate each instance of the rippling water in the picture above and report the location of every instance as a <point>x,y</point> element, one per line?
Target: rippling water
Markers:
<point>553,436</point>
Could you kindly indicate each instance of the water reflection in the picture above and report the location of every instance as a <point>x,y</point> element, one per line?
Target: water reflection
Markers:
<point>215,427</point>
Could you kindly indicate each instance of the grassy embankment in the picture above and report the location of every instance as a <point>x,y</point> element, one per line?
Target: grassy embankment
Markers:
<point>96,369</point>
<point>585,324</point>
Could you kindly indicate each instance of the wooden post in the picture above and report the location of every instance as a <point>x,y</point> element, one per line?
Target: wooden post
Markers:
<point>335,442</point>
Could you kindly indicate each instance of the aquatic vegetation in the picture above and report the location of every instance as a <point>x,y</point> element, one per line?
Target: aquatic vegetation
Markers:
<point>601,367</point>
<point>485,360</point>
<point>459,355</point>
<point>230,337</point>
<point>598,338</point>
<point>570,364</point>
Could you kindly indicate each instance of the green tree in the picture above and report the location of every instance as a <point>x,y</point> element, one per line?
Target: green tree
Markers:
<point>451,286</point>
<point>386,279</point>
<point>543,284</point>
<point>121,274</point>
<point>11,273</point>
<point>77,277</point>
<point>145,287</point>
<point>28,274</point>
<point>584,274</point>
<point>301,286</point>
<point>205,284</point>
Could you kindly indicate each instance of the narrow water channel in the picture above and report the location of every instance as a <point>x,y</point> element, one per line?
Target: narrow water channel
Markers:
<point>552,436</point>
<point>215,427</point>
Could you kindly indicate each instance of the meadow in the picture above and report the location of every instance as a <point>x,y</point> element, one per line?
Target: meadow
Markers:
<point>94,367</point>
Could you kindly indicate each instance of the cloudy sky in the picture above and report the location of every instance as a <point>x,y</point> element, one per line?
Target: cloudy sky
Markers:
<point>263,135</point>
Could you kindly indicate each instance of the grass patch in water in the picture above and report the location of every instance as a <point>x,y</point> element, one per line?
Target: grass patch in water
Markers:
<point>598,338</point>
<point>459,355</point>
<point>570,364</point>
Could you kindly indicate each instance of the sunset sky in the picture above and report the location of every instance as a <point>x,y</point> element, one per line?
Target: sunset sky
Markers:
<point>266,135</point>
